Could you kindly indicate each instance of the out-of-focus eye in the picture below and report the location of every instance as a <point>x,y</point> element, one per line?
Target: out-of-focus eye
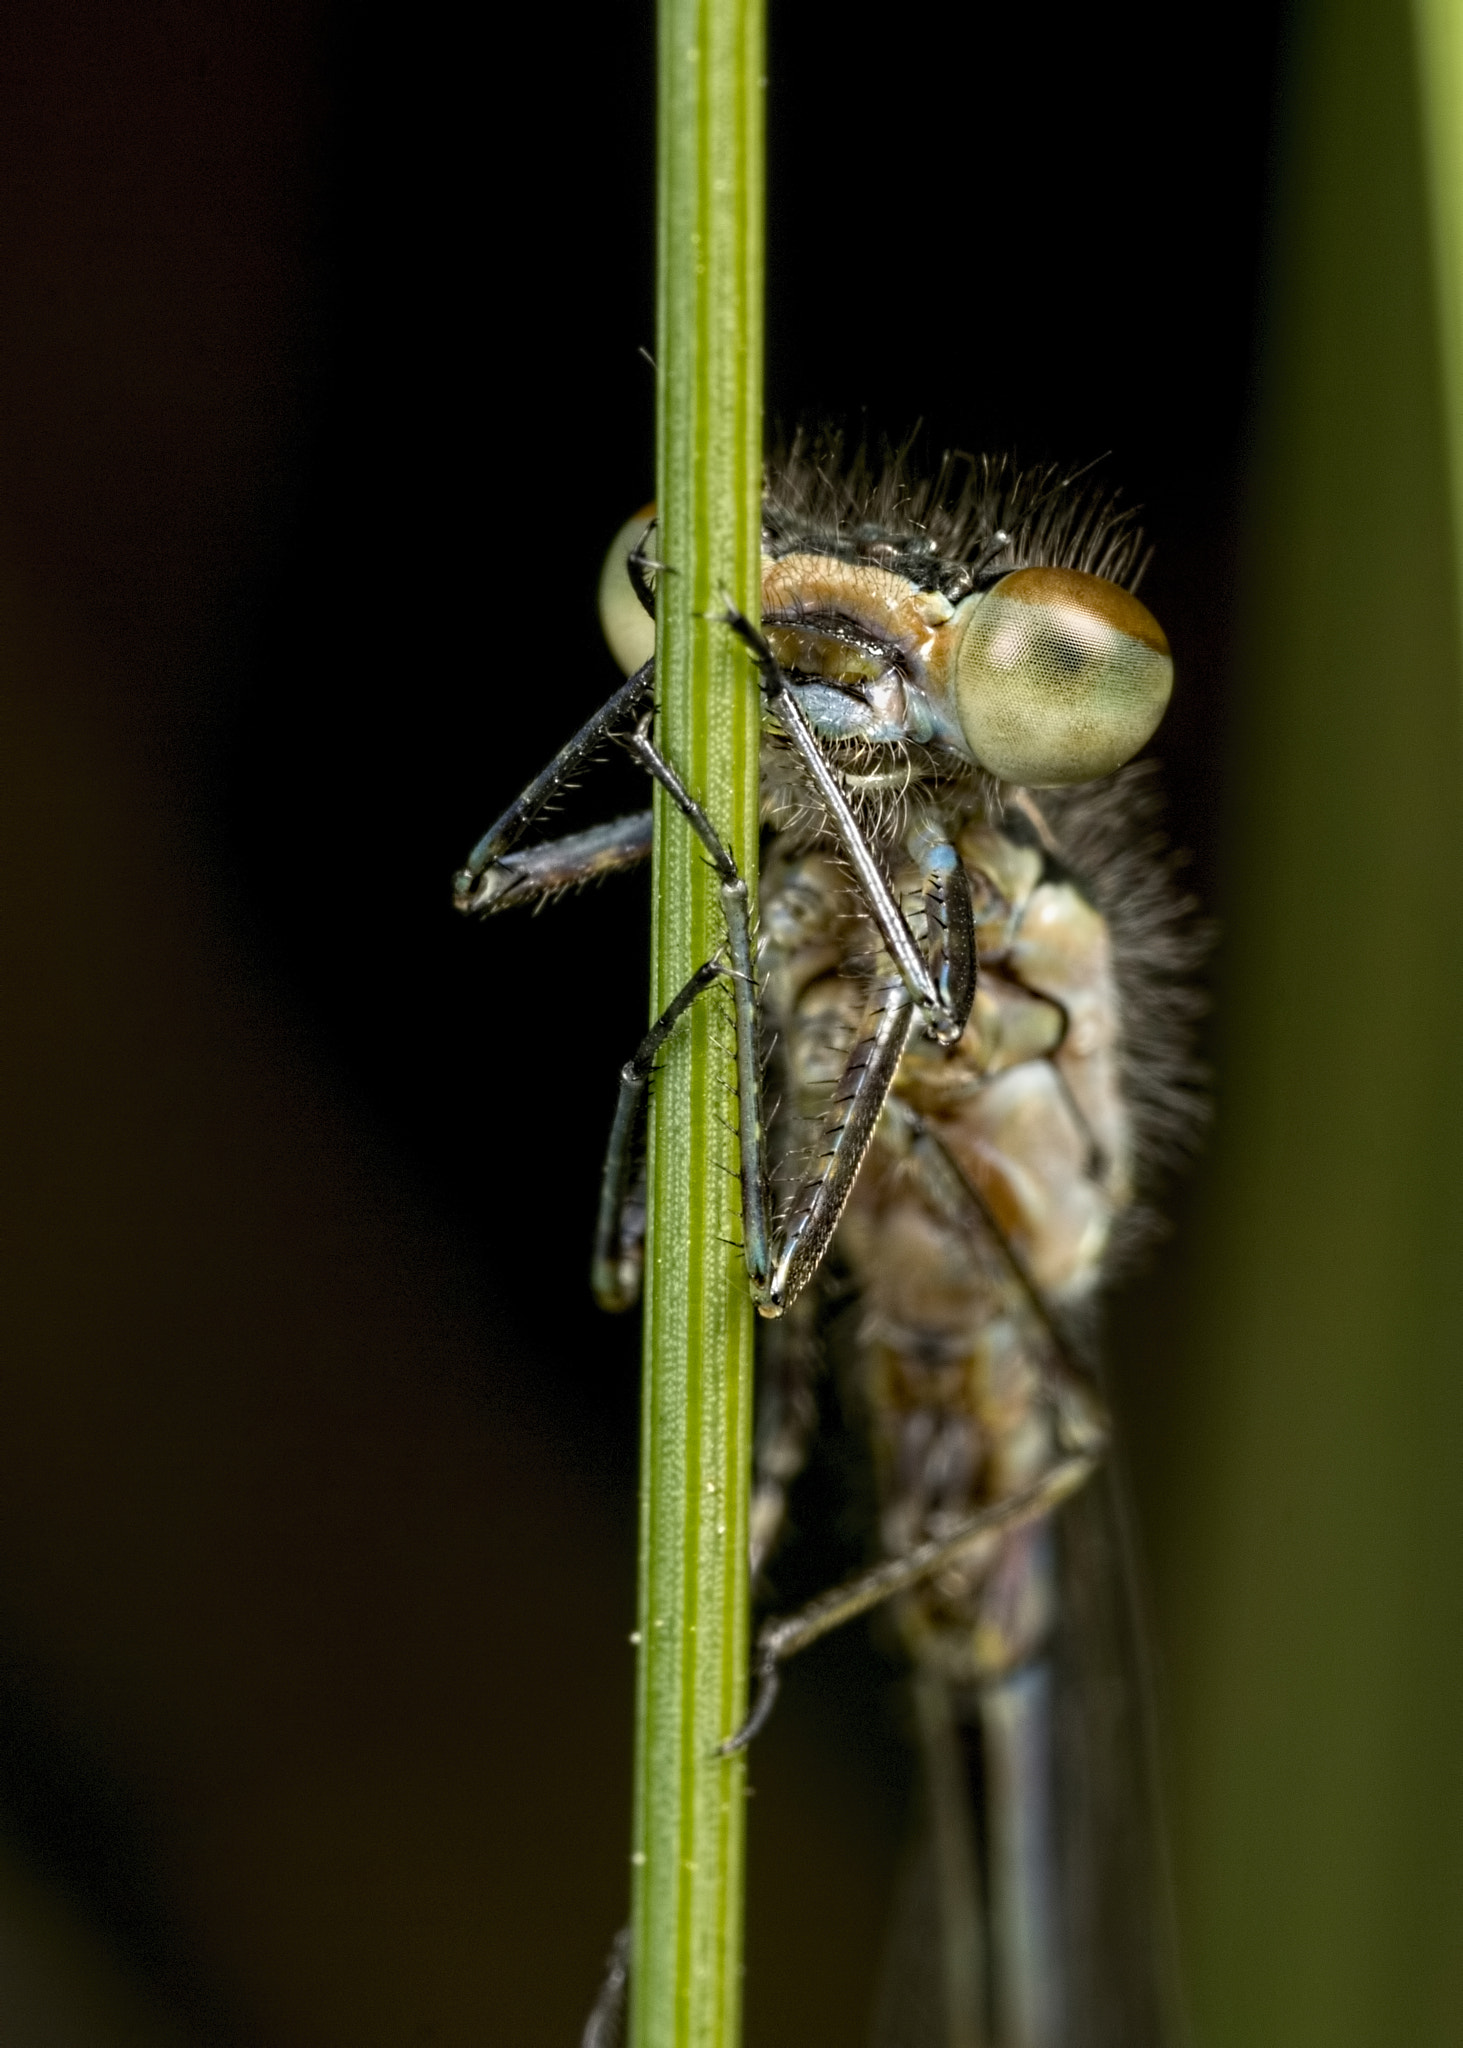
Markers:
<point>1060,676</point>
<point>625,622</point>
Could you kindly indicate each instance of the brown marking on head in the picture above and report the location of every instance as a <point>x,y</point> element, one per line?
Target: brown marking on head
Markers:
<point>1092,594</point>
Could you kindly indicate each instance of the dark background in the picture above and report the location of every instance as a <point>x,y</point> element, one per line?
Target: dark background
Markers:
<point>322,399</point>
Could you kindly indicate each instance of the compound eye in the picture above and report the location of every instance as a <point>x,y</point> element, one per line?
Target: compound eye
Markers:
<point>1060,677</point>
<point>623,619</point>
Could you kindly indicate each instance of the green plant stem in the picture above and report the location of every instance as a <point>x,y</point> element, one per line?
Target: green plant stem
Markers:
<point>697,1403</point>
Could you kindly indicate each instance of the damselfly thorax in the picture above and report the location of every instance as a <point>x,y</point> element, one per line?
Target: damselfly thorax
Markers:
<point>968,978</point>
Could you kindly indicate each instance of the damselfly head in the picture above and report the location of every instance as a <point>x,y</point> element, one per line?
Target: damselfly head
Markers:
<point>1044,674</point>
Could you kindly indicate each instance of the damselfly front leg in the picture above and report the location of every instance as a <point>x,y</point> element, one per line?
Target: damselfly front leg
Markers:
<point>495,876</point>
<point>537,872</point>
<point>942,981</point>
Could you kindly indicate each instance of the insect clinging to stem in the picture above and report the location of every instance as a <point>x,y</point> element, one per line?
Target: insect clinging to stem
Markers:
<point>972,982</point>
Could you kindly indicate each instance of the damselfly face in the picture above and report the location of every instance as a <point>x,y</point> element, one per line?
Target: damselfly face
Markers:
<point>1042,674</point>
<point>970,979</point>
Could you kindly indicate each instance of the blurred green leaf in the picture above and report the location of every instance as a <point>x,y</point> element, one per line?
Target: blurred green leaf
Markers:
<point>1319,1618</point>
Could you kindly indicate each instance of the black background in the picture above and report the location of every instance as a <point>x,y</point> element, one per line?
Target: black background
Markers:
<point>322,347</point>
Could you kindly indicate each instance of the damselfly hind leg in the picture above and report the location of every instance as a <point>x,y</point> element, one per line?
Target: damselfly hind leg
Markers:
<point>986,1529</point>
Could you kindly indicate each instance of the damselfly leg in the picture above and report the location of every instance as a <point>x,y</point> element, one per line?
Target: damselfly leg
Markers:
<point>973,1542</point>
<point>942,982</point>
<point>492,878</point>
<point>605,2025</point>
<point>544,870</point>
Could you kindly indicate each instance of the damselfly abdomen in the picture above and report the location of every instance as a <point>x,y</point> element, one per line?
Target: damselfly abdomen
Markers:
<point>970,980</point>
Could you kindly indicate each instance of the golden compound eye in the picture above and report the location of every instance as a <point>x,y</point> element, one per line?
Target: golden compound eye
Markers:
<point>625,622</point>
<point>1060,676</point>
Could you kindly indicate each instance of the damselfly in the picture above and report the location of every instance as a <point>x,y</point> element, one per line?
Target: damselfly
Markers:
<point>970,982</point>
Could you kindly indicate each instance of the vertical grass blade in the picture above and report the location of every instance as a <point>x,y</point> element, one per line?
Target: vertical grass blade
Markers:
<point>1323,1694</point>
<point>1439,36</point>
<point>697,1403</point>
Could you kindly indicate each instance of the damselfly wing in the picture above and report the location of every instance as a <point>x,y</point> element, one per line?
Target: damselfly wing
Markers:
<point>971,984</point>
